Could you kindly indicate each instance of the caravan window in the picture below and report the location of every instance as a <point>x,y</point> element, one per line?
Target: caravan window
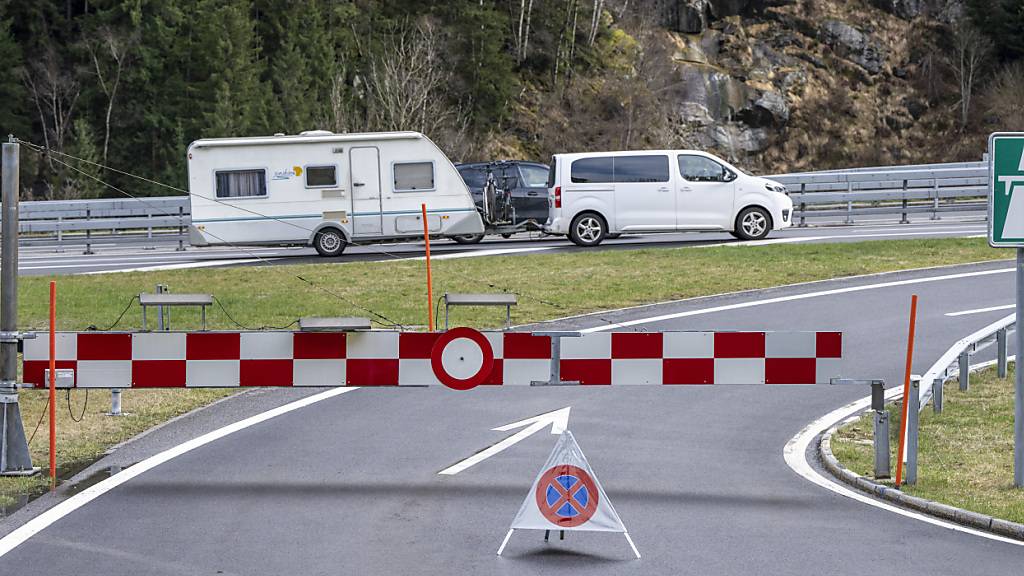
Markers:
<point>414,176</point>
<point>321,176</point>
<point>241,183</point>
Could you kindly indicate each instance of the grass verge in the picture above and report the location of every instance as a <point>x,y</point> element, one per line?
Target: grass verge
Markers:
<point>551,285</point>
<point>965,454</point>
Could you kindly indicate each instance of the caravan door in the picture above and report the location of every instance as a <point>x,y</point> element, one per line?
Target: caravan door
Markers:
<point>366,193</point>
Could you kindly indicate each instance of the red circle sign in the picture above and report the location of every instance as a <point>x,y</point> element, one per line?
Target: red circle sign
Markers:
<point>437,354</point>
<point>566,496</point>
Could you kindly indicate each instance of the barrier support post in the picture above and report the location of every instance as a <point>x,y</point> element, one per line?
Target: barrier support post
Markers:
<point>88,233</point>
<point>15,458</point>
<point>904,219</point>
<point>881,429</point>
<point>965,370</point>
<point>937,395</point>
<point>906,391</point>
<point>430,284</point>
<point>912,430</point>
<point>1001,353</point>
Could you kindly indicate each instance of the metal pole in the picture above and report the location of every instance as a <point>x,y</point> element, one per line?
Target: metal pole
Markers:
<point>937,395</point>
<point>115,403</point>
<point>14,454</point>
<point>881,429</point>
<point>181,229</point>
<point>913,420</point>
<point>965,370</point>
<point>160,289</point>
<point>1001,353</point>
<point>904,219</point>
<point>1018,396</point>
<point>88,233</point>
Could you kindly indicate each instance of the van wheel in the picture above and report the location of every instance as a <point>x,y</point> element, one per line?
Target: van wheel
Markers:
<point>753,224</point>
<point>468,238</point>
<point>329,242</point>
<point>588,229</point>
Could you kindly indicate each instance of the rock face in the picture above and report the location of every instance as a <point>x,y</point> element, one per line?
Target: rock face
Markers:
<point>851,43</point>
<point>691,16</point>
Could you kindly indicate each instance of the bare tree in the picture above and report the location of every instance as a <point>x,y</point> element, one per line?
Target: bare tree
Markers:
<point>971,49</point>
<point>54,92</point>
<point>111,54</point>
<point>407,82</point>
<point>522,32</point>
<point>595,21</point>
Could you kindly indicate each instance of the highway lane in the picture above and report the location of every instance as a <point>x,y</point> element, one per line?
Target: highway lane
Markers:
<point>350,485</point>
<point>137,253</point>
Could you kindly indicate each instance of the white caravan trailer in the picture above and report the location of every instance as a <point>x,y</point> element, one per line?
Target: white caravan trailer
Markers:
<point>325,190</point>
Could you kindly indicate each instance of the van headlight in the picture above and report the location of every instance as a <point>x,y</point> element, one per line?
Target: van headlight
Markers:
<point>774,188</point>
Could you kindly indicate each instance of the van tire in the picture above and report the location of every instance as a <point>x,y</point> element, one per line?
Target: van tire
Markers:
<point>468,238</point>
<point>588,229</point>
<point>329,242</point>
<point>753,223</point>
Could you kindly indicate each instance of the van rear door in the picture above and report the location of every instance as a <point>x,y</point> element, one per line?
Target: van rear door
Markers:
<point>645,195</point>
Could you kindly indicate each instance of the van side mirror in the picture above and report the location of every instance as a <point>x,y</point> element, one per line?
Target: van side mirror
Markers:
<point>727,175</point>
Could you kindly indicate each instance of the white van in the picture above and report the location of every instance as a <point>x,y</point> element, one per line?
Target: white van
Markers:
<point>599,195</point>
<point>324,189</point>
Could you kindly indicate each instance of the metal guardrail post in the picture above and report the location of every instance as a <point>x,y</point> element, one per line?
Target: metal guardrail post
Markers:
<point>181,229</point>
<point>881,429</point>
<point>913,422</point>
<point>965,370</point>
<point>904,219</point>
<point>1001,353</point>
<point>149,231</point>
<point>60,235</point>
<point>88,233</point>
<point>937,385</point>
<point>803,206</point>
<point>935,203</point>
<point>849,204</point>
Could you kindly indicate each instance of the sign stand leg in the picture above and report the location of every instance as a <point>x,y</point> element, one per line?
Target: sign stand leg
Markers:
<point>631,545</point>
<point>1018,396</point>
<point>505,541</point>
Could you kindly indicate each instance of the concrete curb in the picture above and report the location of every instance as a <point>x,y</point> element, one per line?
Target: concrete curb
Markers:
<point>937,509</point>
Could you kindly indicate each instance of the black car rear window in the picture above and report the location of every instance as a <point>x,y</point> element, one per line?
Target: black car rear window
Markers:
<point>473,177</point>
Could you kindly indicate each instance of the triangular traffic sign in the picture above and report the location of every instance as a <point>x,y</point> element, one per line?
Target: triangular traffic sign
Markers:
<point>566,495</point>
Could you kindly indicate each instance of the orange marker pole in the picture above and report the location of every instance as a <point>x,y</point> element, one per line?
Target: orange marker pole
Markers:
<point>53,384</point>
<point>430,284</point>
<point>906,392</point>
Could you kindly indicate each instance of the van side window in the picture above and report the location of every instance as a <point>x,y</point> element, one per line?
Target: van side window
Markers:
<point>321,176</point>
<point>594,170</point>
<point>641,169</point>
<point>701,169</point>
<point>241,183</point>
<point>410,176</point>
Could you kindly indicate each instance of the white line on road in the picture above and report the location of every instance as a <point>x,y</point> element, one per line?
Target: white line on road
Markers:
<point>41,522</point>
<point>183,266</point>
<point>478,253</point>
<point>558,419</point>
<point>795,454</point>
<point>780,299</point>
<point>981,310</point>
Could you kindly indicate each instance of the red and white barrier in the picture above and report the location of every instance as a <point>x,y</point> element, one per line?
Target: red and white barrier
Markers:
<point>461,358</point>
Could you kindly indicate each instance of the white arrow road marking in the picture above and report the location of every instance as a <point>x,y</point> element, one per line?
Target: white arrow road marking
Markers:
<point>558,420</point>
<point>981,310</point>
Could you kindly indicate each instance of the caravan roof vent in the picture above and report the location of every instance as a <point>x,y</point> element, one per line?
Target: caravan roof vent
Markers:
<point>316,133</point>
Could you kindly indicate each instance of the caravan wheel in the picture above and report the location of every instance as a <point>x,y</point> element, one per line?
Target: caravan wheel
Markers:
<point>329,242</point>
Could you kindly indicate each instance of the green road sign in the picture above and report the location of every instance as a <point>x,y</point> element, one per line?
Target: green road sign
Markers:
<point>1006,190</point>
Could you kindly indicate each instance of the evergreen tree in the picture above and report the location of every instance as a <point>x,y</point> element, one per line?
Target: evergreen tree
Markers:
<point>1003,22</point>
<point>12,91</point>
<point>487,69</point>
<point>83,182</point>
<point>239,94</point>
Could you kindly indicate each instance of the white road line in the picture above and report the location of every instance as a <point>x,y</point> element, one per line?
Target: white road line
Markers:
<point>795,454</point>
<point>981,310</point>
<point>41,522</point>
<point>793,297</point>
<point>478,253</point>
<point>183,266</point>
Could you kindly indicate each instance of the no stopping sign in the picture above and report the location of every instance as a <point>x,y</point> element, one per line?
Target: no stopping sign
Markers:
<point>462,358</point>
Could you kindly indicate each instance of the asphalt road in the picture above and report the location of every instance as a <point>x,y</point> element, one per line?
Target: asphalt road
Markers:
<point>137,253</point>
<point>350,485</point>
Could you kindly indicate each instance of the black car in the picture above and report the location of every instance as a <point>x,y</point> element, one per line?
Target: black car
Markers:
<point>527,182</point>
